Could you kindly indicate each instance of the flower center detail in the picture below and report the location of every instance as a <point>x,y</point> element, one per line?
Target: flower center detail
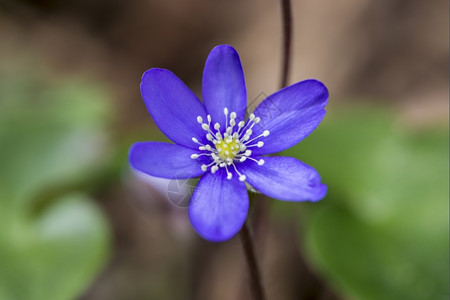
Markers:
<point>230,146</point>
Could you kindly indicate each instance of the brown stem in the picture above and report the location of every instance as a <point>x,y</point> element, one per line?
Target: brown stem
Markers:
<point>286,15</point>
<point>250,255</point>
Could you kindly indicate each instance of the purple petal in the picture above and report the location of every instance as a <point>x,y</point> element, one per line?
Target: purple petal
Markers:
<point>164,160</point>
<point>218,206</point>
<point>173,106</point>
<point>284,178</point>
<point>224,84</point>
<point>290,115</point>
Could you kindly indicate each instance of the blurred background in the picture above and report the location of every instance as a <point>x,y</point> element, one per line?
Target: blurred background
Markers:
<point>76,223</point>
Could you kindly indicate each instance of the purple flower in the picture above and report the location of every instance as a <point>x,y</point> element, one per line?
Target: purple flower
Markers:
<point>216,141</point>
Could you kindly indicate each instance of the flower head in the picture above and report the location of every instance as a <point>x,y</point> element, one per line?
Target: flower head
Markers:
<point>216,141</point>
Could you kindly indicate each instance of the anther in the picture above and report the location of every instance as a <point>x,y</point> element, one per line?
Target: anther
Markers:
<point>228,146</point>
<point>214,169</point>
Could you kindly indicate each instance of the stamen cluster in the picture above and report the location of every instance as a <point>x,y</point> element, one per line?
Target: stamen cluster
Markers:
<point>230,146</point>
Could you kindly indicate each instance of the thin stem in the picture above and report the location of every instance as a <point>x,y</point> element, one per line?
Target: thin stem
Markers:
<point>286,15</point>
<point>250,255</point>
<point>247,241</point>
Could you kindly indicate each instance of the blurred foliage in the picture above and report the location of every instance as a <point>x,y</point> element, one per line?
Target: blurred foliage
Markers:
<point>382,230</point>
<point>53,237</point>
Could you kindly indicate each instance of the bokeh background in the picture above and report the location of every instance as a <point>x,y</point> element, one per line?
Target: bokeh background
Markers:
<point>77,223</point>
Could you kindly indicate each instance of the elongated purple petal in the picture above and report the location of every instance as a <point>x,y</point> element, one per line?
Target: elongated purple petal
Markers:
<point>285,178</point>
<point>224,84</point>
<point>218,206</point>
<point>290,115</point>
<point>173,106</point>
<point>164,160</point>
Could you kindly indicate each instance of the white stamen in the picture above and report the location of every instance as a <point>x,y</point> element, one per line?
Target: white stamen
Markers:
<point>214,169</point>
<point>228,147</point>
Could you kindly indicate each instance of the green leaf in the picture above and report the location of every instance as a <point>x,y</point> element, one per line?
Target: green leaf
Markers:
<point>52,136</point>
<point>382,230</point>
<point>57,254</point>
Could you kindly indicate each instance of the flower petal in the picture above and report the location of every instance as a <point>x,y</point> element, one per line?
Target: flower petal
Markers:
<point>164,160</point>
<point>224,84</point>
<point>290,115</point>
<point>284,178</point>
<point>218,206</point>
<point>173,106</point>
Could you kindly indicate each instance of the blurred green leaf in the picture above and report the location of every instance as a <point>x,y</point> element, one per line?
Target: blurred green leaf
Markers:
<point>54,255</point>
<point>52,135</point>
<point>382,230</point>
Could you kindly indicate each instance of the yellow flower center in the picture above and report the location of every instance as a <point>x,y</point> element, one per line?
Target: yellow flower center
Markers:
<point>231,144</point>
<point>227,148</point>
